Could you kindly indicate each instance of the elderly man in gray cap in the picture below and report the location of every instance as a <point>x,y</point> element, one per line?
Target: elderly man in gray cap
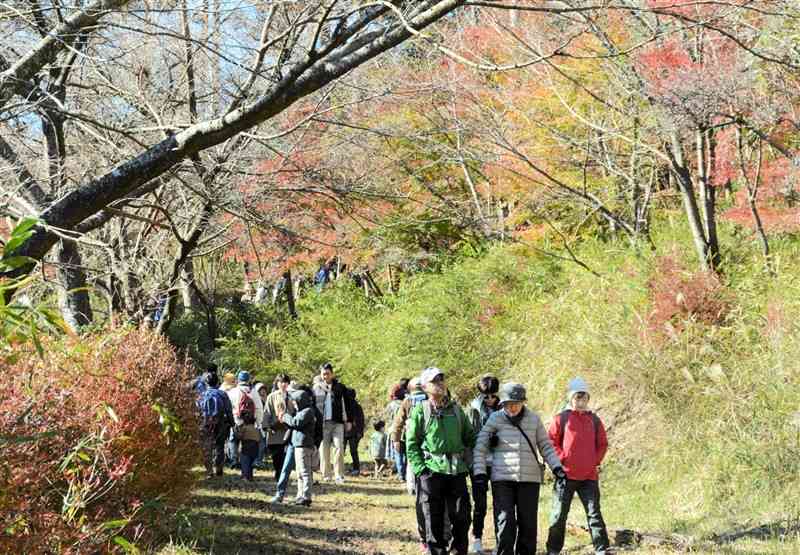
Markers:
<point>438,442</point>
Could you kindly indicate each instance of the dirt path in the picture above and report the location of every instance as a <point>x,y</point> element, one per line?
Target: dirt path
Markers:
<point>364,516</point>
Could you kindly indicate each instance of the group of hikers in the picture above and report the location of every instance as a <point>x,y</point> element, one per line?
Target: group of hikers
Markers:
<point>429,441</point>
<point>296,425</point>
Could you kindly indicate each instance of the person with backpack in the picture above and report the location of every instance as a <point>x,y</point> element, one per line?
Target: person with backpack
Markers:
<point>397,436</point>
<point>200,383</point>
<point>415,396</point>
<point>356,432</point>
<point>396,451</point>
<point>580,440</point>
<point>514,444</point>
<point>216,420</point>
<point>278,433</point>
<point>480,410</point>
<point>337,417</point>
<point>247,409</point>
<point>439,440</point>
<point>303,425</point>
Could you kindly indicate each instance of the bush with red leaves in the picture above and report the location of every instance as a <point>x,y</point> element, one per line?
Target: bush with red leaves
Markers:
<point>94,437</point>
<point>679,296</point>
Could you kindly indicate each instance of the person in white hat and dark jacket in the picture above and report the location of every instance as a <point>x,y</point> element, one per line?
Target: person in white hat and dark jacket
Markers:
<point>579,438</point>
<point>513,443</point>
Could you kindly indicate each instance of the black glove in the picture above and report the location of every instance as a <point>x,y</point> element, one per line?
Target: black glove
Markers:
<point>559,473</point>
<point>480,481</point>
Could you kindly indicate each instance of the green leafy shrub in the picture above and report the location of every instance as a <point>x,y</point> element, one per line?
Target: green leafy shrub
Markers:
<point>97,437</point>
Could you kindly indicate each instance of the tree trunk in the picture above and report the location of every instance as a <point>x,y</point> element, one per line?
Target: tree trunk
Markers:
<point>708,194</point>
<point>752,198</point>
<point>374,286</point>
<point>73,294</point>
<point>190,301</point>
<point>684,181</point>
<point>185,249</point>
<point>287,276</point>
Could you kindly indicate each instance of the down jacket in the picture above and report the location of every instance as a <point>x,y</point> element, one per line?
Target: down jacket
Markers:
<point>512,459</point>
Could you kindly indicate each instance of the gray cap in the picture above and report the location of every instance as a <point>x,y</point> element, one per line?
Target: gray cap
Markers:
<point>429,374</point>
<point>512,392</point>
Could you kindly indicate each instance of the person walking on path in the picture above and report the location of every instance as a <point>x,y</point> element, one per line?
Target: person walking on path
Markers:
<point>231,445</point>
<point>356,432</point>
<point>288,460</point>
<point>261,460</point>
<point>397,437</point>
<point>439,441</point>
<point>235,395</point>
<point>480,410</point>
<point>415,396</point>
<point>216,422</point>
<point>277,432</point>
<point>249,437</point>
<point>396,451</point>
<point>337,417</point>
<point>579,438</point>
<point>377,447</point>
<point>302,425</point>
<point>513,443</point>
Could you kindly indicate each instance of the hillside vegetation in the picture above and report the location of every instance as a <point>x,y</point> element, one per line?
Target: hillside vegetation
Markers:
<point>694,375</point>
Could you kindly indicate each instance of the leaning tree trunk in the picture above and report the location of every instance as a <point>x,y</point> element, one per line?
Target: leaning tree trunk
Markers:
<point>73,293</point>
<point>684,180</point>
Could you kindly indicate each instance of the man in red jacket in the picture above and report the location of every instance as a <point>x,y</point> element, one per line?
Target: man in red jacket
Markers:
<point>580,441</point>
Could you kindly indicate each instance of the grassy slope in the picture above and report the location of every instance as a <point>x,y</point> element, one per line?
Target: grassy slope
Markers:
<point>702,422</point>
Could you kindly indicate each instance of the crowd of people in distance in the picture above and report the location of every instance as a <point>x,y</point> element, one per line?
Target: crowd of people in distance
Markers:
<point>428,441</point>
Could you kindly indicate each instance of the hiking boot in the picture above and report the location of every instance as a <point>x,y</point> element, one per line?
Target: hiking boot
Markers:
<point>219,471</point>
<point>302,502</point>
<point>340,481</point>
<point>477,546</point>
<point>276,499</point>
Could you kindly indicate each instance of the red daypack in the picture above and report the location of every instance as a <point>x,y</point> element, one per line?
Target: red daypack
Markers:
<point>247,408</point>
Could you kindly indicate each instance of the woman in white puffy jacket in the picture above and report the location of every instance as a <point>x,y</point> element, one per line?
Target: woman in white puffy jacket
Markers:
<point>513,443</point>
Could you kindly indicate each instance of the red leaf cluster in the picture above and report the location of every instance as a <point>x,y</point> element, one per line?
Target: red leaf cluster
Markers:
<point>679,296</point>
<point>83,446</point>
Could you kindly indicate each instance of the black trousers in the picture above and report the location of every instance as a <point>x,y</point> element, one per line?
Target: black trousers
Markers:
<point>440,495</point>
<point>479,508</point>
<point>516,507</point>
<point>277,453</point>
<point>419,511</point>
<point>353,443</point>
<point>589,493</point>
